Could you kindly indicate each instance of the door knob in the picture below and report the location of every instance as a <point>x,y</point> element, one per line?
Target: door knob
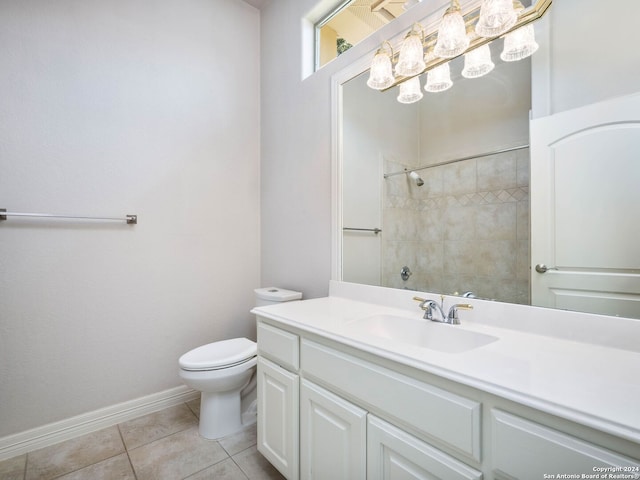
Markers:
<point>542,268</point>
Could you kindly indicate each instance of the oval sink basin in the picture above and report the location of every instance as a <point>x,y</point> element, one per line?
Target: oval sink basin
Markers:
<point>420,333</point>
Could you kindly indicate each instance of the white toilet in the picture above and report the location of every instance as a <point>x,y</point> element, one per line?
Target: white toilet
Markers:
<point>224,372</point>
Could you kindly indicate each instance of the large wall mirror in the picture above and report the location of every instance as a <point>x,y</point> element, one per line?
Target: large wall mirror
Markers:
<point>462,223</point>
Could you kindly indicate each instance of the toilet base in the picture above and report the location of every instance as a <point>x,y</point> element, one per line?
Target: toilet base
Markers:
<point>250,415</point>
<point>220,414</point>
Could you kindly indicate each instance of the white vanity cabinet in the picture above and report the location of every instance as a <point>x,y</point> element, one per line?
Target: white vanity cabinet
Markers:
<point>318,398</point>
<point>278,399</point>
<point>330,410</point>
<point>304,430</point>
<point>520,444</point>
<point>394,454</point>
<point>448,418</point>
<point>332,435</point>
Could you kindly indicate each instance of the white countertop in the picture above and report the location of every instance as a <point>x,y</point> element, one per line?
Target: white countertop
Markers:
<point>594,381</point>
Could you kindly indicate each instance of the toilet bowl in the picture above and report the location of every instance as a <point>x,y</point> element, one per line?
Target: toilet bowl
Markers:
<point>225,373</point>
<point>220,370</point>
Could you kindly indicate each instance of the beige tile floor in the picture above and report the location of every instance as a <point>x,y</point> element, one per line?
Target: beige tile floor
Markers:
<point>164,445</point>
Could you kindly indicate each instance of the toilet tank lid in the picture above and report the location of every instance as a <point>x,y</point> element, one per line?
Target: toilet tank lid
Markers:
<point>275,294</point>
<point>218,354</point>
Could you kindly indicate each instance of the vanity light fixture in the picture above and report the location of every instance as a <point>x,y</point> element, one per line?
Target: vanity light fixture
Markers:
<point>439,79</point>
<point>411,57</point>
<point>496,17</point>
<point>478,62</point>
<point>481,26</point>
<point>520,43</point>
<point>410,91</point>
<point>452,33</point>
<point>381,73</point>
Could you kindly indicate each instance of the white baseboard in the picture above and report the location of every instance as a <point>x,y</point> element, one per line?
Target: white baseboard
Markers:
<point>52,433</point>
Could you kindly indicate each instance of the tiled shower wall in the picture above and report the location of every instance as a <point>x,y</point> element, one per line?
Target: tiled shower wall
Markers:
<point>465,229</point>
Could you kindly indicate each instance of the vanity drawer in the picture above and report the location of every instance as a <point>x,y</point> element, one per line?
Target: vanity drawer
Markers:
<point>437,413</point>
<point>278,345</point>
<point>393,453</point>
<point>518,445</point>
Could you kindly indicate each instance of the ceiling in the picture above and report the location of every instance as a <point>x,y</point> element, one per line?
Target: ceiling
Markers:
<point>256,3</point>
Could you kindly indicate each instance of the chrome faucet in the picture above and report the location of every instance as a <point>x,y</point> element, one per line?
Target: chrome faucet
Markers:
<point>430,305</point>
<point>428,311</point>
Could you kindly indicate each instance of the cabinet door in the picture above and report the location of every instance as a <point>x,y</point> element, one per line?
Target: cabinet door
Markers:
<point>278,410</point>
<point>438,413</point>
<point>524,449</point>
<point>332,435</point>
<point>393,454</point>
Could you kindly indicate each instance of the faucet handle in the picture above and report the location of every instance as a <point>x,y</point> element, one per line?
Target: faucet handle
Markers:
<point>452,317</point>
<point>426,305</point>
<point>422,301</point>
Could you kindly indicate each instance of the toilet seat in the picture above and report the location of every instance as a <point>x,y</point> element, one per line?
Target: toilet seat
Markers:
<point>219,355</point>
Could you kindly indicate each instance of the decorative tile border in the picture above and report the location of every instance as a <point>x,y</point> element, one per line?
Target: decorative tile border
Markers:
<point>510,195</point>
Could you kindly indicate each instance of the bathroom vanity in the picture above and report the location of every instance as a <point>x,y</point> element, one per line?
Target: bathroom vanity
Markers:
<point>358,385</point>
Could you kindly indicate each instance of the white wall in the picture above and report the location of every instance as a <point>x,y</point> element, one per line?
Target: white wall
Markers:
<point>295,144</point>
<point>594,55</point>
<point>109,108</point>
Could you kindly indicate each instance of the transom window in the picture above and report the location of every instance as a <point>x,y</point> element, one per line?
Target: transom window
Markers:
<point>352,21</point>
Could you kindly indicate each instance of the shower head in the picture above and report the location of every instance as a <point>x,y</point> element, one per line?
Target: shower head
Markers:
<point>416,178</point>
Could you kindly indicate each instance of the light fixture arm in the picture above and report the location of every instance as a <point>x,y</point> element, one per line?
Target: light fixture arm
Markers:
<point>390,50</point>
<point>420,31</point>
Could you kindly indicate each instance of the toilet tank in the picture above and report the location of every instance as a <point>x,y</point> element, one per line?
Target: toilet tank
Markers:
<point>273,295</point>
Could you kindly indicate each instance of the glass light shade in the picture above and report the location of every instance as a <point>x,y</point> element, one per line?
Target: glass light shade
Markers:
<point>381,73</point>
<point>519,44</point>
<point>452,35</point>
<point>496,17</point>
<point>410,91</point>
<point>411,57</point>
<point>439,79</point>
<point>477,62</point>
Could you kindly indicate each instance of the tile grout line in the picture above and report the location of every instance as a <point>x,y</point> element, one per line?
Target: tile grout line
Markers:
<point>192,410</point>
<point>232,457</point>
<point>126,449</point>
<point>209,466</point>
<point>149,442</point>
<point>239,467</point>
<point>91,465</point>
